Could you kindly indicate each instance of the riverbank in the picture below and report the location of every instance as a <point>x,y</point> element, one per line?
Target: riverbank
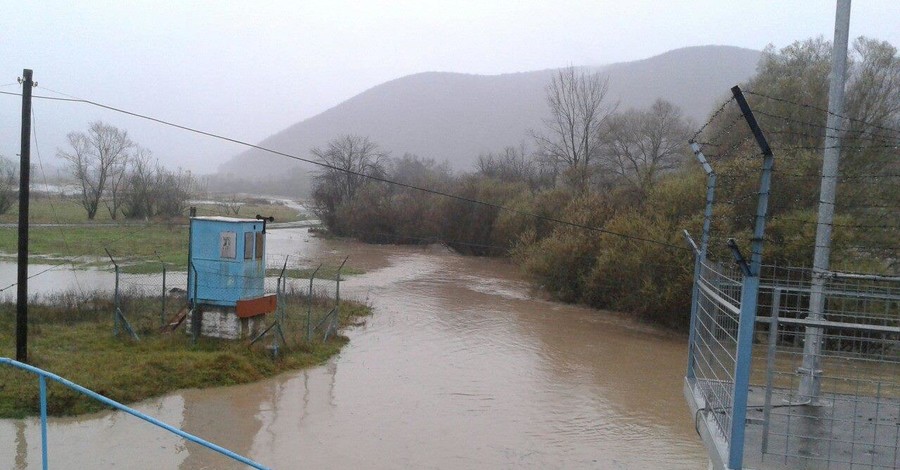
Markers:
<point>75,340</point>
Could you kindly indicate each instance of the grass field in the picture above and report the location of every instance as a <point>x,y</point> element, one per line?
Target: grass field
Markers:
<point>55,209</point>
<point>84,241</point>
<point>74,339</point>
<point>86,244</point>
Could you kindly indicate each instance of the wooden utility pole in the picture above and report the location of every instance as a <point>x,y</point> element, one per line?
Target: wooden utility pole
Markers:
<point>24,185</point>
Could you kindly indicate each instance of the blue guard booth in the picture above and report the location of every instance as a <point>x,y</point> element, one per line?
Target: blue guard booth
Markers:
<point>226,276</point>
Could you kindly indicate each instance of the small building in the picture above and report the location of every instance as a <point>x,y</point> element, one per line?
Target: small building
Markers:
<point>226,276</point>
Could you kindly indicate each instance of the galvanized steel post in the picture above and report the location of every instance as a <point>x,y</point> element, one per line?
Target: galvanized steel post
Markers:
<point>337,295</point>
<point>812,347</point>
<point>162,312</point>
<point>770,364</point>
<point>309,300</point>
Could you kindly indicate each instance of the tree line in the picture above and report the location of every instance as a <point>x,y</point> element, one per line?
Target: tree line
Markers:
<point>112,170</point>
<point>632,173</point>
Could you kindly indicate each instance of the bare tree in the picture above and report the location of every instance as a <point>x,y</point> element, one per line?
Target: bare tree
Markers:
<point>140,197</point>
<point>93,159</point>
<point>638,146</point>
<point>173,191</point>
<point>578,109</point>
<point>119,181</point>
<point>350,158</point>
<point>513,165</point>
<point>230,205</point>
<point>9,184</point>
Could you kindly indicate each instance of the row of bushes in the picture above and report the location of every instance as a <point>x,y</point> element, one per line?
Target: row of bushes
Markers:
<point>601,256</point>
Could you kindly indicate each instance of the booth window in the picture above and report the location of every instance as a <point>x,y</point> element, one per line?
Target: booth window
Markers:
<point>227,242</point>
<point>248,245</point>
<point>260,239</point>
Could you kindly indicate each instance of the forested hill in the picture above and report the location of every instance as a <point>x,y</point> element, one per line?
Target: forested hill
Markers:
<point>454,117</point>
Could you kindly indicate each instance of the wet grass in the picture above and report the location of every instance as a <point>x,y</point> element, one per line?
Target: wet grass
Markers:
<point>72,336</point>
<point>139,246</point>
<point>86,244</point>
<point>56,209</point>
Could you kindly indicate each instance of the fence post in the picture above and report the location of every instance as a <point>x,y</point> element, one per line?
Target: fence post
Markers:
<point>770,364</point>
<point>749,294</point>
<point>700,256</point>
<point>309,304</point>
<point>195,311</point>
<point>162,313</point>
<point>115,295</point>
<point>282,283</point>
<point>337,295</point>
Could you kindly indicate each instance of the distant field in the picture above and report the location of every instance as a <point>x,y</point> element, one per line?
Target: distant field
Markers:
<point>67,210</point>
<point>84,241</point>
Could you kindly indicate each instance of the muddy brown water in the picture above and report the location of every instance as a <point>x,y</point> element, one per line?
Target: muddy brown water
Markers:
<point>459,367</point>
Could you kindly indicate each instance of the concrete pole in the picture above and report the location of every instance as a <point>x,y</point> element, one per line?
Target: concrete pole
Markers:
<point>812,348</point>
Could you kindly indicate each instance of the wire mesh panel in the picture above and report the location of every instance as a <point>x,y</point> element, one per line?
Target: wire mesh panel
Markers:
<point>854,419</point>
<point>715,340</point>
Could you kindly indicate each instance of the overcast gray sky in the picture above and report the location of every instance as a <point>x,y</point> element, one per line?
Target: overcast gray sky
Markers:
<point>249,69</point>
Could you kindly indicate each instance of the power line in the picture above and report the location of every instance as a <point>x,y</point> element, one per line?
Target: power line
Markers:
<point>62,232</point>
<point>356,173</point>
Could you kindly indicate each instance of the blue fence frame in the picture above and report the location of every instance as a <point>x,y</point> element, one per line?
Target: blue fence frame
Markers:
<point>42,383</point>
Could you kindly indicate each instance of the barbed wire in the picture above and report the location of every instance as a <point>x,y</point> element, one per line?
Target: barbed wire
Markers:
<point>712,118</point>
<point>834,224</point>
<point>890,143</point>
<point>805,105</point>
<point>725,130</point>
<point>826,127</point>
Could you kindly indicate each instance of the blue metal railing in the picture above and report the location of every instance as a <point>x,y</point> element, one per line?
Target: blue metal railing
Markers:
<point>42,381</point>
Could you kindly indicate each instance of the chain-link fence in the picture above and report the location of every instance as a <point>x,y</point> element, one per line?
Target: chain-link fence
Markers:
<point>850,416</point>
<point>789,367</point>
<point>308,302</point>
<point>714,343</point>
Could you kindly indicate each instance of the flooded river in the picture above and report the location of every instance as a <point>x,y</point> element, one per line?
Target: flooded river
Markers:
<point>459,367</point>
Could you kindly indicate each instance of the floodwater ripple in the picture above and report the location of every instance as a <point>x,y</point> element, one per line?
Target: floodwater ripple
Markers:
<point>459,367</point>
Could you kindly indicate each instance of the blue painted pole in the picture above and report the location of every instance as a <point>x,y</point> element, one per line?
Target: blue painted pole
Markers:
<point>114,404</point>
<point>43,387</point>
<point>700,256</point>
<point>749,295</point>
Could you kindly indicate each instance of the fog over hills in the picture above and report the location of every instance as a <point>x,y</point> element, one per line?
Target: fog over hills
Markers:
<point>455,117</point>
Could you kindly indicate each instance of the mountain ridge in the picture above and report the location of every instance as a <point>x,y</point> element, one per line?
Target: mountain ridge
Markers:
<point>456,116</point>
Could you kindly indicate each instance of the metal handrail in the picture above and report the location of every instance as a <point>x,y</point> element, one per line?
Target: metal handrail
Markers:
<point>42,379</point>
